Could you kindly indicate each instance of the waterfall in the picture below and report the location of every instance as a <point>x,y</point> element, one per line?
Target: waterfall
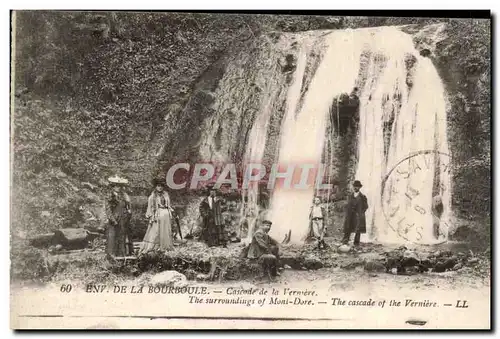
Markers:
<point>254,155</point>
<point>302,135</point>
<point>407,100</point>
<point>410,104</point>
<point>285,111</point>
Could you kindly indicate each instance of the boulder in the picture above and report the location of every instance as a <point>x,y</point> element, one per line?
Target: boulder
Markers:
<point>202,277</point>
<point>292,261</point>
<point>473,260</point>
<point>374,266</point>
<point>313,263</point>
<point>351,263</point>
<point>409,259</point>
<point>168,278</point>
<point>42,240</point>
<point>72,238</point>
<point>440,267</point>
<point>449,263</point>
<point>344,248</point>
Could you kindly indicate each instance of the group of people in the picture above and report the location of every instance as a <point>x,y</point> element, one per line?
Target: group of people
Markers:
<point>161,215</point>
<point>266,249</point>
<point>354,222</point>
<point>118,212</point>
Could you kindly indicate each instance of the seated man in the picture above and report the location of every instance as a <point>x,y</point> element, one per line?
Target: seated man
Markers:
<point>266,249</point>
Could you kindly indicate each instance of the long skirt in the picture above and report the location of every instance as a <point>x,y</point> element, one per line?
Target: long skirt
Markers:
<point>118,240</point>
<point>159,233</point>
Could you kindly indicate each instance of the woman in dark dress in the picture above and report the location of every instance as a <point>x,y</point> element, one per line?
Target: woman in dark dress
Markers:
<point>118,213</point>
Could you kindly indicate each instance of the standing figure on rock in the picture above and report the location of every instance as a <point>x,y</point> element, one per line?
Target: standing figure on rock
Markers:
<point>265,249</point>
<point>317,222</point>
<point>118,214</point>
<point>213,233</point>
<point>355,221</point>
<point>159,233</point>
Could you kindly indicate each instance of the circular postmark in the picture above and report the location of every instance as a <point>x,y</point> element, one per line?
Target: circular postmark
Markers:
<point>416,196</point>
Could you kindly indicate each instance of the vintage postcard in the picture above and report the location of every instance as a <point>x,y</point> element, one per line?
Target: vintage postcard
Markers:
<point>246,170</point>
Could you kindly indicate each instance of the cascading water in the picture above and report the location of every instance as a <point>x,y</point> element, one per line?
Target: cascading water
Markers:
<point>254,155</point>
<point>402,111</point>
<point>411,105</point>
<point>303,132</point>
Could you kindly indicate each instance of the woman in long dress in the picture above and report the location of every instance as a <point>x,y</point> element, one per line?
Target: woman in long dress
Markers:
<point>159,233</point>
<point>118,213</point>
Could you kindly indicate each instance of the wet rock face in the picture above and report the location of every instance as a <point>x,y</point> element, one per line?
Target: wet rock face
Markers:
<point>410,61</point>
<point>425,53</point>
<point>345,111</point>
<point>289,64</point>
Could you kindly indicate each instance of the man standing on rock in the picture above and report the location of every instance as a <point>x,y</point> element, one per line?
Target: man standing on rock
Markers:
<point>213,233</point>
<point>265,249</point>
<point>355,221</point>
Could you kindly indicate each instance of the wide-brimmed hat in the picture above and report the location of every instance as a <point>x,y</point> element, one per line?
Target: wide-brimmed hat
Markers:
<point>357,183</point>
<point>116,180</point>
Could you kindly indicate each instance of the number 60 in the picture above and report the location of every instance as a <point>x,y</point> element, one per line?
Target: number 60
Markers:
<point>66,288</point>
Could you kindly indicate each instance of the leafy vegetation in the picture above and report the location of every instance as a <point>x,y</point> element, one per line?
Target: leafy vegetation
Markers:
<point>463,60</point>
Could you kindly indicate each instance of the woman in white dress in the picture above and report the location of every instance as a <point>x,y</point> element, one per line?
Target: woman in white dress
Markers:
<point>159,233</point>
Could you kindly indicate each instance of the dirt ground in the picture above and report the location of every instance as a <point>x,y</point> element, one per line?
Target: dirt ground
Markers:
<point>84,310</point>
<point>343,275</point>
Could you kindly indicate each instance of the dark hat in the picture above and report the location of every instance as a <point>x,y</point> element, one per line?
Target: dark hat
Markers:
<point>159,181</point>
<point>267,221</point>
<point>357,183</point>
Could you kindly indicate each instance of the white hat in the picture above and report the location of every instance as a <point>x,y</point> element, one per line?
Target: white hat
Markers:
<point>118,180</point>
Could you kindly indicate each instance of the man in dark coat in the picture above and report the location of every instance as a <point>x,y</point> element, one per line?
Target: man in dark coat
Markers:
<point>213,232</point>
<point>355,221</point>
<point>265,249</point>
